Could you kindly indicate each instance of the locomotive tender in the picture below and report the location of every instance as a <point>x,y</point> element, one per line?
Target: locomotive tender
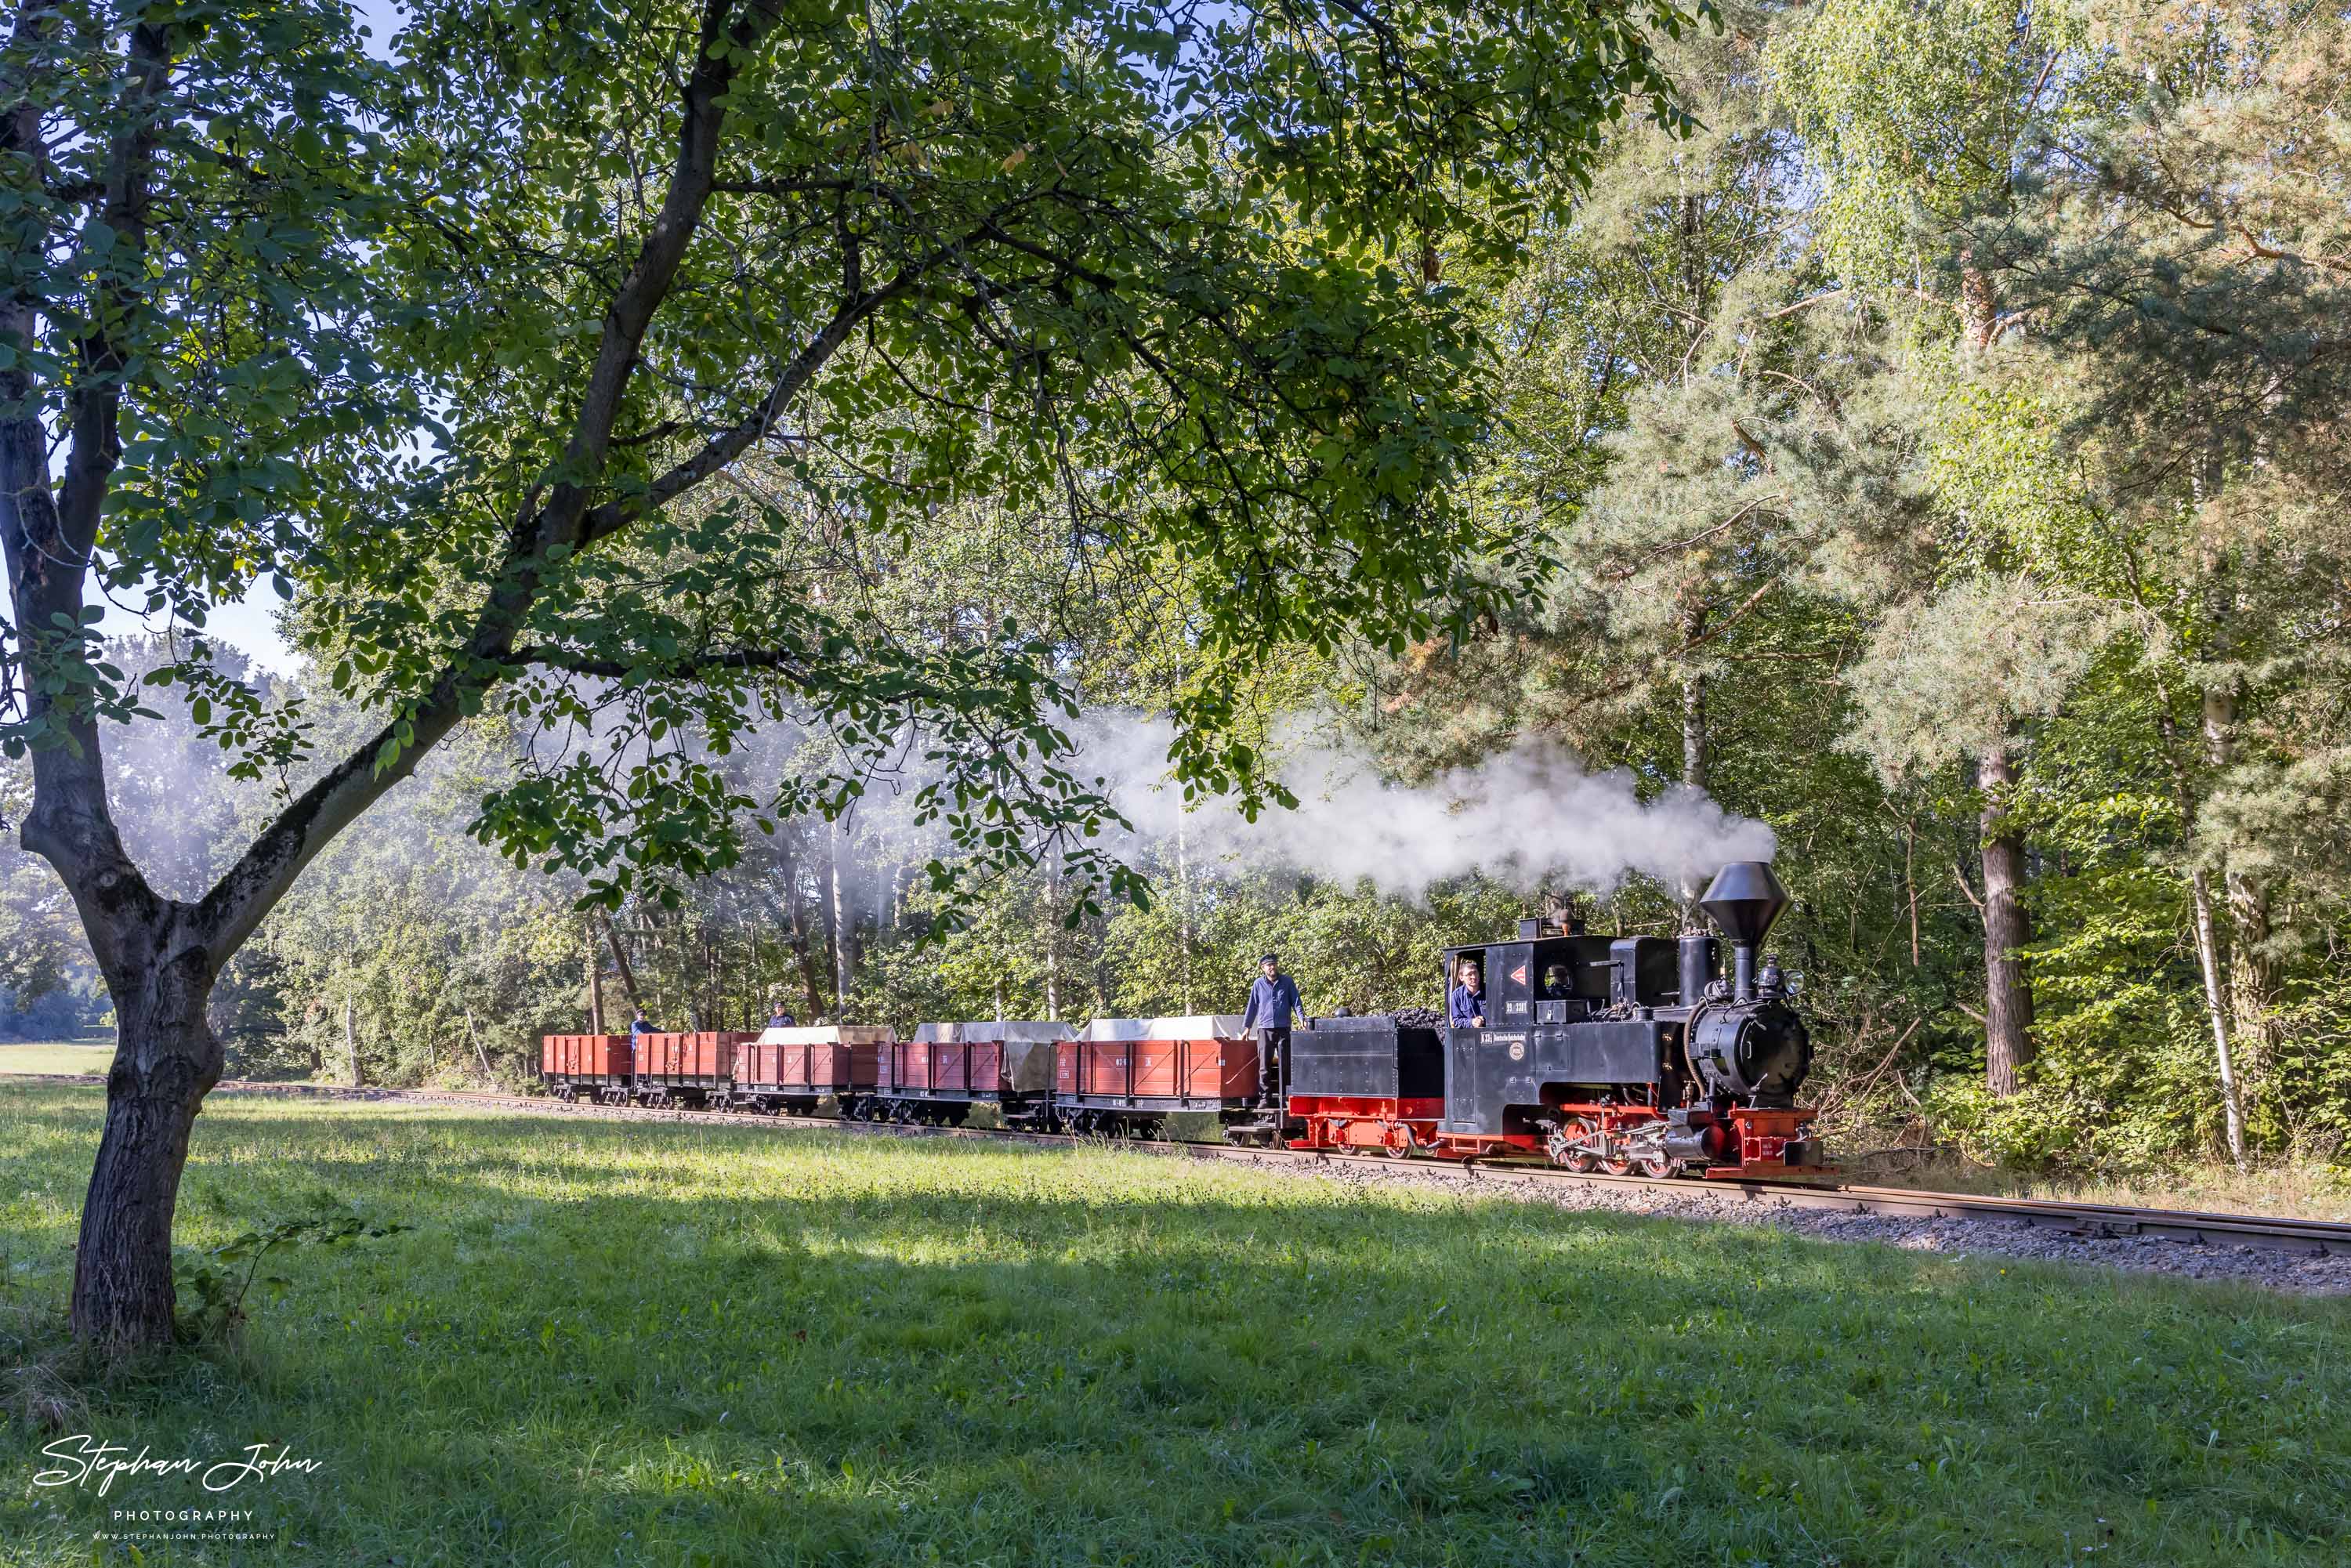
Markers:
<point>1634,1054</point>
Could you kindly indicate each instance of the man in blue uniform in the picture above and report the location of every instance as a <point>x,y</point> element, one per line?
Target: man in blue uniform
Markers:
<point>780,1018</point>
<point>1272,1002</point>
<point>643,1025</point>
<point>1465,1004</point>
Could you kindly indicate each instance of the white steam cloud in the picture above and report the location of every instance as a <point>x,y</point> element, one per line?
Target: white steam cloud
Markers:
<point>1530,817</point>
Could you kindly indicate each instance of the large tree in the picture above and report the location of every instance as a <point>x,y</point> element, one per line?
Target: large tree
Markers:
<point>462,353</point>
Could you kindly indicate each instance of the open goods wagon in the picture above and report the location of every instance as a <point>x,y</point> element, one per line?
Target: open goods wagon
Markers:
<point>948,1068</point>
<point>1127,1076</point>
<point>586,1066</point>
<point>695,1068</point>
<point>789,1071</point>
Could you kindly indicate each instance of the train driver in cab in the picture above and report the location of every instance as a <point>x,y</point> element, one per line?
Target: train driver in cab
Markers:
<point>1465,1004</point>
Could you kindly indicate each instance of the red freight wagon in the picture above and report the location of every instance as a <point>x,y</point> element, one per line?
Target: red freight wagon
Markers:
<point>594,1065</point>
<point>790,1070</point>
<point>1127,1074</point>
<point>948,1068</point>
<point>695,1068</point>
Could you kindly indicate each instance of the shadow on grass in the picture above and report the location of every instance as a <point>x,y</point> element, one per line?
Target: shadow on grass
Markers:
<point>616,1342</point>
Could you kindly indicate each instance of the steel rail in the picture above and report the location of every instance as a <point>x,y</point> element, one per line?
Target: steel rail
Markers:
<point>2314,1237</point>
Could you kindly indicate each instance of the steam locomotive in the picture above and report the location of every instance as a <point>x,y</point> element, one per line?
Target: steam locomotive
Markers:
<point>1625,1054</point>
<point>1635,1053</point>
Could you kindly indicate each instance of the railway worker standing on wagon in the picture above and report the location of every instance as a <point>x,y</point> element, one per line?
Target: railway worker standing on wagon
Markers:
<point>1465,1004</point>
<point>1272,1003</point>
<point>779,1018</point>
<point>642,1026</point>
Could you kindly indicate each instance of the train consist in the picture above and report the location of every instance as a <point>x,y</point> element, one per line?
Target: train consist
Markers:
<point>1625,1054</point>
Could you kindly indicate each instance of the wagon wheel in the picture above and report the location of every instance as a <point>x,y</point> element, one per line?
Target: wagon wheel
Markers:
<point>1400,1144</point>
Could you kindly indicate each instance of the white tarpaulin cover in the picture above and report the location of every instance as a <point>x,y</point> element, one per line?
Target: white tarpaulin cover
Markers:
<point>829,1034</point>
<point>980,1032</point>
<point>1199,1025</point>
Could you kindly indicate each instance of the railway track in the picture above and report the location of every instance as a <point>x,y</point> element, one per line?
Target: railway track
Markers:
<point>2305,1238</point>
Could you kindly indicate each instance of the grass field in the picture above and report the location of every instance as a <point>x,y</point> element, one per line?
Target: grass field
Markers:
<point>55,1056</point>
<point>605,1343</point>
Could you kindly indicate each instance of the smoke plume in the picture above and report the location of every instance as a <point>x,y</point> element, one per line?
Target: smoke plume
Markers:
<point>1530,817</point>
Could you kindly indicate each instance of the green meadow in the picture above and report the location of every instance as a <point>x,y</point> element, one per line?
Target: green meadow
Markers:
<point>662,1343</point>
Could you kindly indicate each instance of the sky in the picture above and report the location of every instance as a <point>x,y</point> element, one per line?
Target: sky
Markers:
<point>251,623</point>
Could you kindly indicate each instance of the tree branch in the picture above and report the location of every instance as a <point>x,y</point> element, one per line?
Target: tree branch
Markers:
<point>236,903</point>
<point>690,667</point>
<point>48,532</point>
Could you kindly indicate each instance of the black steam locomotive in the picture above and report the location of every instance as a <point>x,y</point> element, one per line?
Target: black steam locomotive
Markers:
<point>1633,1054</point>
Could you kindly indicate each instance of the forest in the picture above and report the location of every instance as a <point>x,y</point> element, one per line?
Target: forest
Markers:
<point>1928,443</point>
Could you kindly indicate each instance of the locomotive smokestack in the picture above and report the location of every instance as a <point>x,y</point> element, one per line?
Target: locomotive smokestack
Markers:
<point>1745,899</point>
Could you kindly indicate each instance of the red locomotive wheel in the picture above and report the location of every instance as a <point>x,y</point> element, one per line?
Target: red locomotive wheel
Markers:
<point>1563,1152</point>
<point>1617,1167</point>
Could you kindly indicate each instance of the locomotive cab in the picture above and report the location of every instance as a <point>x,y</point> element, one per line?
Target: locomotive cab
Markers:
<point>1555,980</point>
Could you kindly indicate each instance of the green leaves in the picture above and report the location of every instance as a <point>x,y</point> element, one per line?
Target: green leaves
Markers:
<point>1132,267</point>
<point>212,1285</point>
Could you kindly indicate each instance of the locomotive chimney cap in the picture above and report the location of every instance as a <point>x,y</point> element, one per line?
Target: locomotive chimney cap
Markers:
<point>1744,900</point>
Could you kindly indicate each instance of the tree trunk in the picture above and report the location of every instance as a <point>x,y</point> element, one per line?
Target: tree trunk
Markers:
<point>595,989</point>
<point>2216,1005</point>
<point>167,1059</point>
<point>1694,755</point>
<point>2209,960</point>
<point>828,899</point>
<point>804,954</point>
<point>1694,705</point>
<point>2008,995</point>
<point>1910,882</point>
<point>2251,971</point>
<point>1183,916</point>
<point>1053,937</point>
<point>844,919</point>
<point>620,959</point>
<point>352,1036</point>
